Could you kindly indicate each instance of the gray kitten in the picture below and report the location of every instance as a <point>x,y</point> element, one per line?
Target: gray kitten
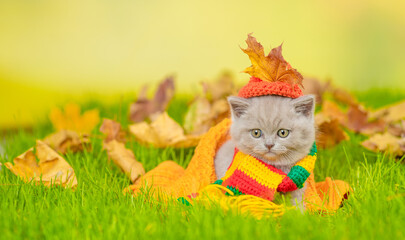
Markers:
<point>278,130</point>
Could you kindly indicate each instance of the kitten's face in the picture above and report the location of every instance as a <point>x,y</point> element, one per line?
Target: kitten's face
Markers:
<point>276,129</point>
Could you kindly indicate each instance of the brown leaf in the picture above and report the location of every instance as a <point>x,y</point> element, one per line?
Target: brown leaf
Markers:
<point>386,143</point>
<point>219,89</point>
<point>112,130</point>
<point>163,132</point>
<point>144,108</point>
<point>272,67</point>
<point>125,159</point>
<point>197,119</point>
<point>202,115</point>
<point>205,112</point>
<point>390,113</point>
<point>315,87</point>
<point>397,129</point>
<point>329,131</point>
<point>331,110</point>
<point>72,120</point>
<point>65,140</point>
<point>219,111</point>
<point>358,121</point>
<point>51,169</point>
<point>343,96</point>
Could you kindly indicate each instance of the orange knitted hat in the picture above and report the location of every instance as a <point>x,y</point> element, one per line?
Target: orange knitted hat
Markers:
<point>271,74</point>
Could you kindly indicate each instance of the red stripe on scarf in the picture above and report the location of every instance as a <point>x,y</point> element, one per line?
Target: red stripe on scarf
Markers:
<point>248,185</point>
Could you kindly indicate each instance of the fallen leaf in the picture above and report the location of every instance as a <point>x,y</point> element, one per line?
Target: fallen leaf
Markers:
<point>125,159</point>
<point>397,129</point>
<point>358,121</point>
<point>219,111</point>
<point>163,132</point>
<point>315,87</point>
<point>112,130</point>
<point>197,118</point>
<point>343,96</point>
<point>51,169</point>
<point>65,140</point>
<point>144,108</point>
<point>272,67</point>
<point>205,112</point>
<point>331,110</point>
<point>329,131</point>
<point>223,87</point>
<point>202,115</point>
<point>385,143</point>
<point>72,120</point>
<point>390,113</point>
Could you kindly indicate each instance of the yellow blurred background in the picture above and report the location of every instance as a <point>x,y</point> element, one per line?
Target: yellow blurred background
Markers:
<point>57,51</point>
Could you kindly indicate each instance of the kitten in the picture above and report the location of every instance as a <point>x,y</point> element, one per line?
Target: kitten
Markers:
<point>277,130</point>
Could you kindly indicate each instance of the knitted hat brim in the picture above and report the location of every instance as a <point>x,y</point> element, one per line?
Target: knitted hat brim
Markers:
<point>257,87</point>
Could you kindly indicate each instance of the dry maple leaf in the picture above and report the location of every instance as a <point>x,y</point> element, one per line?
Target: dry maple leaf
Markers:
<point>332,111</point>
<point>72,120</point>
<point>125,159</point>
<point>329,131</point>
<point>204,112</point>
<point>397,129</point>
<point>163,132</point>
<point>358,121</point>
<point>202,115</point>
<point>219,111</point>
<point>315,87</point>
<point>112,130</point>
<point>144,108</point>
<point>223,87</point>
<point>272,67</point>
<point>386,143</point>
<point>197,118</point>
<point>343,96</point>
<point>65,140</point>
<point>51,169</point>
<point>390,113</point>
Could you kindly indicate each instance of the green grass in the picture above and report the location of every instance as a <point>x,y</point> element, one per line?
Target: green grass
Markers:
<point>98,209</point>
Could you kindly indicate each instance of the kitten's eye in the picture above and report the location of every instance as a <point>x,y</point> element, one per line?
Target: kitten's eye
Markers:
<point>283,133</point>
<point>256,133</point>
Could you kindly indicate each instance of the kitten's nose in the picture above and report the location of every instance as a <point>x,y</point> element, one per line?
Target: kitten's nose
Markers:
<point>269,146</point>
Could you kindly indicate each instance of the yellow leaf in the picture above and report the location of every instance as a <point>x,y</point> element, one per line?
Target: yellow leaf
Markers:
<point>272,67</point>
<point>332,111</point>
<point>386,143</point>
<point>125,159</point>
<point>163,132</point>
<point>72,120</point>
<point>65,140</point>
<point>391,113</point>
<point>144,133</point>
<point>51,169</point>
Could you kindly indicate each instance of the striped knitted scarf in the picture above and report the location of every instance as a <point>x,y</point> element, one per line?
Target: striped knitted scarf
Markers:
<point>249,175</point>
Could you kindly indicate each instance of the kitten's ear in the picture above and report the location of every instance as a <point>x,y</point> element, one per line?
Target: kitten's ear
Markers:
<point>238,105</point>
<point>305,105</point>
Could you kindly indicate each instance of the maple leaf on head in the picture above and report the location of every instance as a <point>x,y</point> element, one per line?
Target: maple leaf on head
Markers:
<point>271,68</point>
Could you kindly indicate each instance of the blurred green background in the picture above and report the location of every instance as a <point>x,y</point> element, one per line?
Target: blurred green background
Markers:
<point>57,51</point>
